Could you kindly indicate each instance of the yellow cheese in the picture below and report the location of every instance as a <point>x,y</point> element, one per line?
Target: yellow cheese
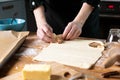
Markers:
<point>36,72</point>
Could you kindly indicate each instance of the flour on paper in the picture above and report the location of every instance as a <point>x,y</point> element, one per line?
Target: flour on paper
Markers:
<point>76,53</point>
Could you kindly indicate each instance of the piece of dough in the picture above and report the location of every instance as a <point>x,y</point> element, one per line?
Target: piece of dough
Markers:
<point>76,53</point>
<point>57,38</point>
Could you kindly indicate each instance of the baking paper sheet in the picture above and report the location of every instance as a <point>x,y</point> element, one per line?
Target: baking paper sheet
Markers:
<point>9,43</point>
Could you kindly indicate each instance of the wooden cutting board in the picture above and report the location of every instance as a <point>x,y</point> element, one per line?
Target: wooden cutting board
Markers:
<point>75,53</point>
<point>58,72</point>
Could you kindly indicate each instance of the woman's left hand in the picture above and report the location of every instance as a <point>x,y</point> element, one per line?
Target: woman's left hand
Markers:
<point>72,30</point>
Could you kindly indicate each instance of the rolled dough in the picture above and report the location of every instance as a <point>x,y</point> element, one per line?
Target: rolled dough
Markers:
<point>76,53</point>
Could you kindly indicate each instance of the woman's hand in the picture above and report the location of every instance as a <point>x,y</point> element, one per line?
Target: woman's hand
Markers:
<point>72,30</point>
<point>44,32</point>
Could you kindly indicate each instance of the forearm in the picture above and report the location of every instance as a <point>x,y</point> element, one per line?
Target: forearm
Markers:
<point>83,14</point>
<point>39,14</point>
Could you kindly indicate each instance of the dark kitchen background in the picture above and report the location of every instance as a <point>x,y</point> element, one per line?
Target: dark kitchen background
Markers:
<point>109,14</point>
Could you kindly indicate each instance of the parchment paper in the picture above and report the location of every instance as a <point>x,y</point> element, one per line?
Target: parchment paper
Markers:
<point>9,42</point>
<point>76,53</point>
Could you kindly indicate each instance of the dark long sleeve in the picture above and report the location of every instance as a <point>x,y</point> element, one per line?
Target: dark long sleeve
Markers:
<point>94,3</point>
<point>35,3</point>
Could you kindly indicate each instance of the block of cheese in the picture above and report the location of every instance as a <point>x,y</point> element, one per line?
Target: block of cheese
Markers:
<point>36,72</point>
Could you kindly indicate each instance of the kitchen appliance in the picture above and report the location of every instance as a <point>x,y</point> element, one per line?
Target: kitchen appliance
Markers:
<point>109,16</point>
<point>110,8</point>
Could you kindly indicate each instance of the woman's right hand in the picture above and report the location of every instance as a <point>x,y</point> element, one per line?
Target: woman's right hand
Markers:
<point>45,32</point>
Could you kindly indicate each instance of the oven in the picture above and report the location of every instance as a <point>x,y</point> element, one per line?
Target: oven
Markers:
<point>109,16</point>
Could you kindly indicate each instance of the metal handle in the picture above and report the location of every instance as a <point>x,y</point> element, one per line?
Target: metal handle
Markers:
<point>8,7</point>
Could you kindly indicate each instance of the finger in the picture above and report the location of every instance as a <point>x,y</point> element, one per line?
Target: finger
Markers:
<point>47,39</point>
<point>66,31</point>
<point>70,34</point>
<point>48,30</point>
<point>76,34</point>
<point>42,35</point>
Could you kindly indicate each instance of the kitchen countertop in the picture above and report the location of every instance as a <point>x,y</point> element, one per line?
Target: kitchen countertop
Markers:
<point>30,48</point>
